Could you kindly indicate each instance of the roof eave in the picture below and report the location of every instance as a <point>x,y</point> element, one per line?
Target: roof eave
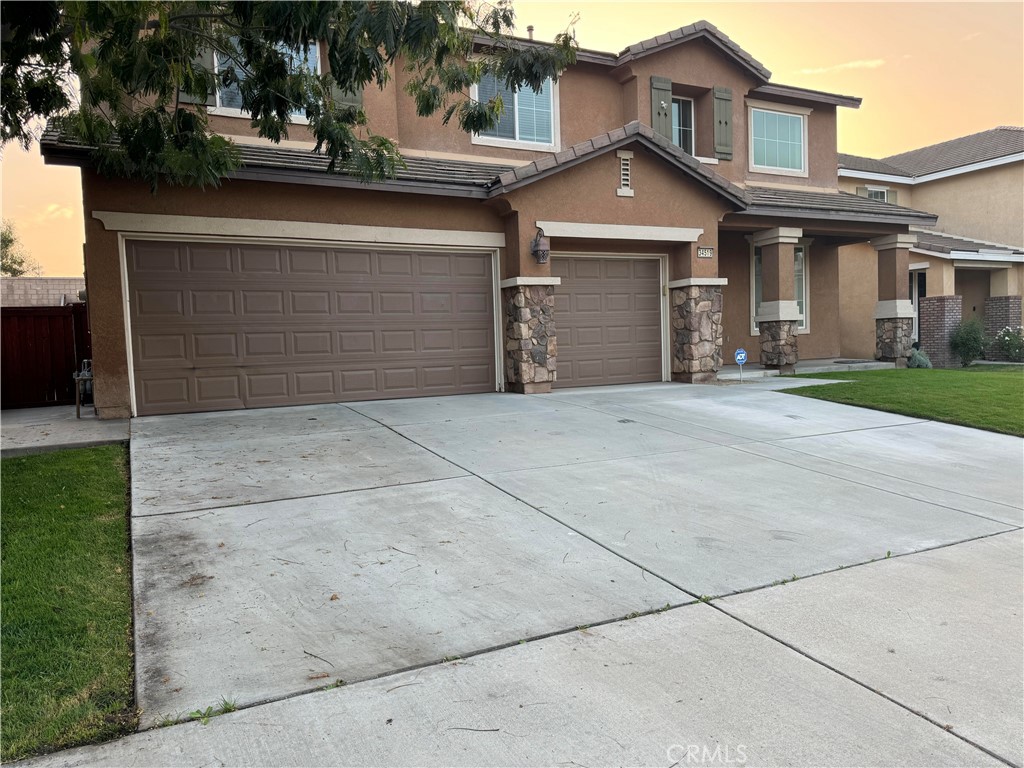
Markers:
<point>806,94</point>
<point>856,216</point>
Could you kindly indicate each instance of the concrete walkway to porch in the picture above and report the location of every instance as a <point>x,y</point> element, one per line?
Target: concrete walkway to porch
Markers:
<point>753,370</point>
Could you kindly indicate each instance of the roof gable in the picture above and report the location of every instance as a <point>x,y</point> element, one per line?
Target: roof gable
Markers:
<point>632,133</point>
<point>701,30</point>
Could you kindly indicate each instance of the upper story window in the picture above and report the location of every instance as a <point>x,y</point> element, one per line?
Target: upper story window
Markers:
<point>878,193</point>
<point>682,124</point>
<point>778,141</point>
<point>228,99</point>
<point>529,119</point>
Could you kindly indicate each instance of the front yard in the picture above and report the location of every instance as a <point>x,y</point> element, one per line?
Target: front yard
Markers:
<point>66,601</point>
<point>983,396</point>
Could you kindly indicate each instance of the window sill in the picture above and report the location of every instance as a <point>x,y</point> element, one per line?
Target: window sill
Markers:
<point>491,141</point>
<point>230,112</point>
<point>767,171</point>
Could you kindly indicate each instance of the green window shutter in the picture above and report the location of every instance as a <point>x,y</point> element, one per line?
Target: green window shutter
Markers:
<point>862,191</point>
<point>661,106</point>
<point>204,60</point>
<point>723,123</point>
<point>891,197</point>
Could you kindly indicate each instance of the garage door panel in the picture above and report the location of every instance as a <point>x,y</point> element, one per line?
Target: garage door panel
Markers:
<point>225,326</point>
<point>609,319</point>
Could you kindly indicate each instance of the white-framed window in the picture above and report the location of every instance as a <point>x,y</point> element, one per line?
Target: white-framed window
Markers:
<point>778,140</point>
<point>682,124</point>
<point>529,119</point>
<point>801,285</point>
<point>878,193</point>
<point>228,99</point>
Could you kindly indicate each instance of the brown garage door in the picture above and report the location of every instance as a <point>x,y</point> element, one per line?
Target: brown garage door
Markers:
<point>219,326</point>
<point>608,316</point>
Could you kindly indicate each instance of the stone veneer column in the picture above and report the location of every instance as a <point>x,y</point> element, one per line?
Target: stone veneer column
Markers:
<point>1000,312</point>
<point>531,346</point>
<point>696,317</point>
<point>778,314</point>
<point>938,316</point>
<point>894,313</point>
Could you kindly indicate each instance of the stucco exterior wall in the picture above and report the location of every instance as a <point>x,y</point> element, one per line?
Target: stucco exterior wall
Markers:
<point>972,285</point>
<point>988,204</point>
<point>663,197</point>
<point>858,295</point>
<point>39,291</point>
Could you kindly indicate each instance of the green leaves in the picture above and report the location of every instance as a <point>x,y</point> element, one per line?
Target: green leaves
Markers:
<point>148,71</point>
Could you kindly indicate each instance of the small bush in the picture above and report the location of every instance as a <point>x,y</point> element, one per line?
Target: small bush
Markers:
<point>1010,342</point>
<point>968,341</point>
<point>918,359</point>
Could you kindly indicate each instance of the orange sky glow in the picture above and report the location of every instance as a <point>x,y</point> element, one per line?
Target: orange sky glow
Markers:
<point>927,72</point>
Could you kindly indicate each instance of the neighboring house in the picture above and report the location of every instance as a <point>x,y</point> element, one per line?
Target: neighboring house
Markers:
<point>40,291</point>
<point>637,221</point>
<point>972,263</point>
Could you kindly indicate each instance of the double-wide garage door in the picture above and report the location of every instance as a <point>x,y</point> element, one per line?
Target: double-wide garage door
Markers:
<point>219,326</point>
<point>608,318</point>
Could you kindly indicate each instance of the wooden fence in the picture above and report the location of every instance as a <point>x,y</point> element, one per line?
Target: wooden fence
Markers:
<point>40,350</point>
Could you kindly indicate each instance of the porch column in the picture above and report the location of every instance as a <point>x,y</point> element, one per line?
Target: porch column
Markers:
<point>778,314</point>
<point>695,310</point>
<point>531,347</point>
<point>1002,307</point>
<point>894,313</point>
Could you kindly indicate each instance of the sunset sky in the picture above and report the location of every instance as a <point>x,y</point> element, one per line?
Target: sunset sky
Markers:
<point>927,72</point>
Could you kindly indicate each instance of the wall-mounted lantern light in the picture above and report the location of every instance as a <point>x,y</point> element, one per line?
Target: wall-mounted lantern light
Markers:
<point>541,247</point>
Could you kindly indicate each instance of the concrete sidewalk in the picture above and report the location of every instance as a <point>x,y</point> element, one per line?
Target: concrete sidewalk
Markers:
<point>40,430</point>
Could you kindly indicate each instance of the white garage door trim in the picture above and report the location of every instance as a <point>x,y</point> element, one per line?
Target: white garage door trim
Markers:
<point>123,237</point>
<point>666,361</point>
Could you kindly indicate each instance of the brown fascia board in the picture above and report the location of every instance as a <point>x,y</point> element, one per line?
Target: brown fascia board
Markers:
<point>583,55</point>
<point>806,94</point>
<point>634,132</point>
<point>818,214</point>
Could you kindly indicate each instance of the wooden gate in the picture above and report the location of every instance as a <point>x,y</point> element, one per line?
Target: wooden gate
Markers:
<point>42,347</point>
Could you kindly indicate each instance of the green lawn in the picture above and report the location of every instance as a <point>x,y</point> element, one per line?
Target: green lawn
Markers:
<point>66,601</point>
<point>984,396</point>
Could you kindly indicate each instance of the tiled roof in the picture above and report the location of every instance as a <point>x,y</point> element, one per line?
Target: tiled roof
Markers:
<point>263,159</point>
<point>941,242</point>
<point>633,131</point>
<point>830,205</point>
<point>869,165</point>
<point>967,150</point>
<point>703,29</point>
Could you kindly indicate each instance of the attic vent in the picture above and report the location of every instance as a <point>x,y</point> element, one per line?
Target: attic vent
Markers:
<point>625,174</point>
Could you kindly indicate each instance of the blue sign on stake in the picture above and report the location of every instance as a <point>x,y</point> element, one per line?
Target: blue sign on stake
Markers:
<point>741,358</point>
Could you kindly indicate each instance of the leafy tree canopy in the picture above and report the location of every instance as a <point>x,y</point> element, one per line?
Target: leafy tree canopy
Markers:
<point>14,261</point>
<point>132,78</point>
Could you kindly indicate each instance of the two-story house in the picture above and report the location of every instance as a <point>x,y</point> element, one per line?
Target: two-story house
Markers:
<point>647,214</point>
<point>972,264</point>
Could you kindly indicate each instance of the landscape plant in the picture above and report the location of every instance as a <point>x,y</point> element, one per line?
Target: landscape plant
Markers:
<point>968,341</point>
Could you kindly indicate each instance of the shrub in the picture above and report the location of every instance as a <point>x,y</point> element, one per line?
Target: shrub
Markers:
<point>918,358</point>
<point>1010,341</point>
<point>968,341</point>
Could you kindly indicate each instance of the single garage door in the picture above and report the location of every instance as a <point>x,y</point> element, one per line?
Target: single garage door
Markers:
<point>608,319</point>
<point>218,326</point>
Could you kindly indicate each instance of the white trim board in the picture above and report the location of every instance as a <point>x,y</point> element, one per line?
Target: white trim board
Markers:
<point>512,282</point>
<point>620,231</point>
<point>208,226</point>
<point>1009,258</point>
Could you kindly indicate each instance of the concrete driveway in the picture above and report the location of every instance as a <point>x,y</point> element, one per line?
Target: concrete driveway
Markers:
<point>503,564</point>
